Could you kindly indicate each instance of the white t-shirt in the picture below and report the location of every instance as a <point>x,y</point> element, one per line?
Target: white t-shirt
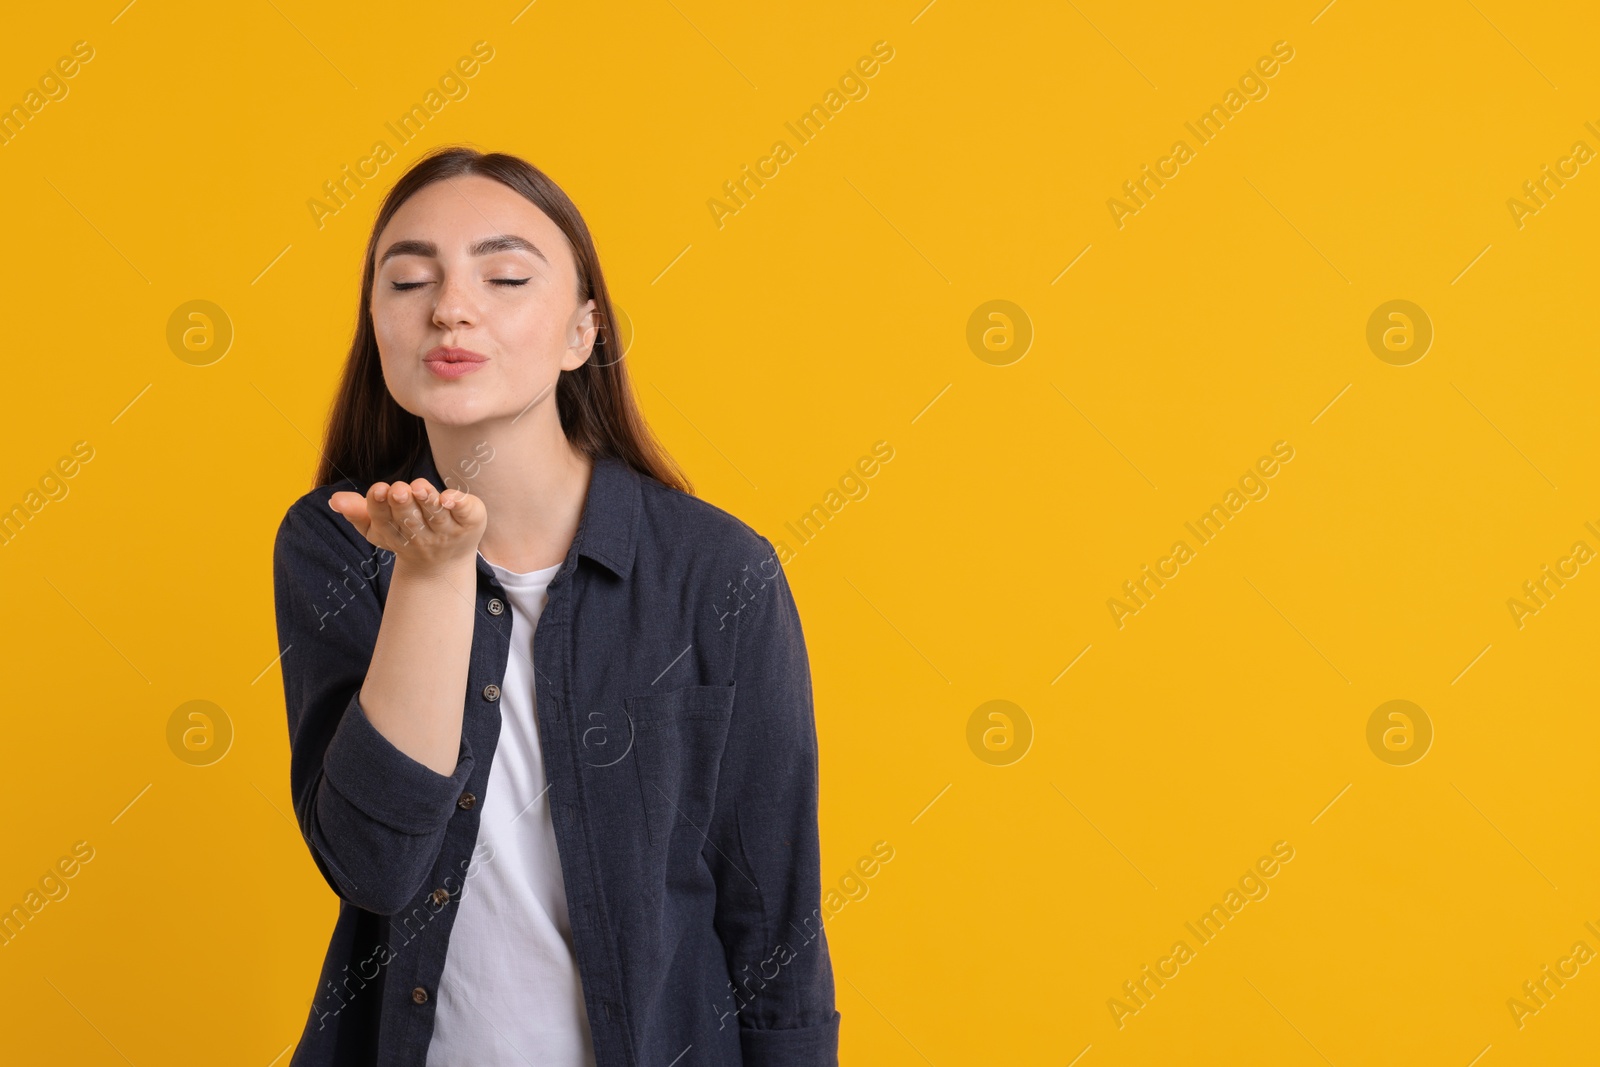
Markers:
<point>510,993</point>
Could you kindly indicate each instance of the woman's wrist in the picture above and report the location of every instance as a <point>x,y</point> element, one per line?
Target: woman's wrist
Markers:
<point>456,573</point>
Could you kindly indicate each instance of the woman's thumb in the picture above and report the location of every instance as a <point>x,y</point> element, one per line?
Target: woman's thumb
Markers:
<point>466,509</point>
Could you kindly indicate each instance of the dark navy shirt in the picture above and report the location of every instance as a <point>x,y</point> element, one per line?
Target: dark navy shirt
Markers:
<point>675,716</point>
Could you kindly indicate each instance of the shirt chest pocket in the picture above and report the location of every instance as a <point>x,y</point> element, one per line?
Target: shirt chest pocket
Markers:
<point>678,738</point>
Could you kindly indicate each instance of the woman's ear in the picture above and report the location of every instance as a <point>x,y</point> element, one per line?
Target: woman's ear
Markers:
<point>580,337</point>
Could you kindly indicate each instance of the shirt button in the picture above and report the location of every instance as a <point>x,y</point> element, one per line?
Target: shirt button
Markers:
<point>466,801</point>
<point>496,607</point>
<point>419,995</point>
<point>491,692</point>
<point>440,896</point>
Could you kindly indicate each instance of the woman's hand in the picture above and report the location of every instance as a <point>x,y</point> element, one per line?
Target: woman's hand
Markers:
<point>430,531</point>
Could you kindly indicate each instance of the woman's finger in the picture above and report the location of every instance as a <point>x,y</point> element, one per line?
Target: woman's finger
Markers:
<point>465,509</point>
<point>428,504</point>
<point>403,507</point>
<point>380,507</point>
<point>353,506</point>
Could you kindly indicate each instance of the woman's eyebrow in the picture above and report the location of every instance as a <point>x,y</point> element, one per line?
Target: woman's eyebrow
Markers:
<point>501,242</point>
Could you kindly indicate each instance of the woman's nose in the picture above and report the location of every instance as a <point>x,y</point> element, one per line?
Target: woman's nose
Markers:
<point>455,302</point>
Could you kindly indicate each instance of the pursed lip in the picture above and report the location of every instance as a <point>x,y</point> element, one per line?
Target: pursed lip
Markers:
<point>441,354</point>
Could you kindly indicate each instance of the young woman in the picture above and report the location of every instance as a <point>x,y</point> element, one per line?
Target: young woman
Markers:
<point>550,715</point>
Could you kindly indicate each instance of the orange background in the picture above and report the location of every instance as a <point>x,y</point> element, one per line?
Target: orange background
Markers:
<point>1042,859</point>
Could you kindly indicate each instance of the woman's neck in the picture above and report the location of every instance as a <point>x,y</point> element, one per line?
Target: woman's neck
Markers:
<point>533,488</point>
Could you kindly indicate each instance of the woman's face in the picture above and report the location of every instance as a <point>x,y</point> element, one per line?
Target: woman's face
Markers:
<point>470,266</point>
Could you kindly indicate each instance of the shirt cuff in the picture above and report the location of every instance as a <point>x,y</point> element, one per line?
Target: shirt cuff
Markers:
<point>385,783</point>
<point>800,1046</point>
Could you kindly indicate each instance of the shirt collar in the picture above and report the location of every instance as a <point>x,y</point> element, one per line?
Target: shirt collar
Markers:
<point>608,530</point>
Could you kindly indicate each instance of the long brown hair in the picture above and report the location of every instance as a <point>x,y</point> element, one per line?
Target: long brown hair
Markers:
<point>370,437</point>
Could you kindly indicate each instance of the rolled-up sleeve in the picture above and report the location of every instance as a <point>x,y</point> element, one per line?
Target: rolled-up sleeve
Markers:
<point>762,846</point>
<point>373,817</point>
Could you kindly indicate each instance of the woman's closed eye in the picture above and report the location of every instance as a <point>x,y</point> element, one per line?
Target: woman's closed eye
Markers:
<point>406,286</point>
